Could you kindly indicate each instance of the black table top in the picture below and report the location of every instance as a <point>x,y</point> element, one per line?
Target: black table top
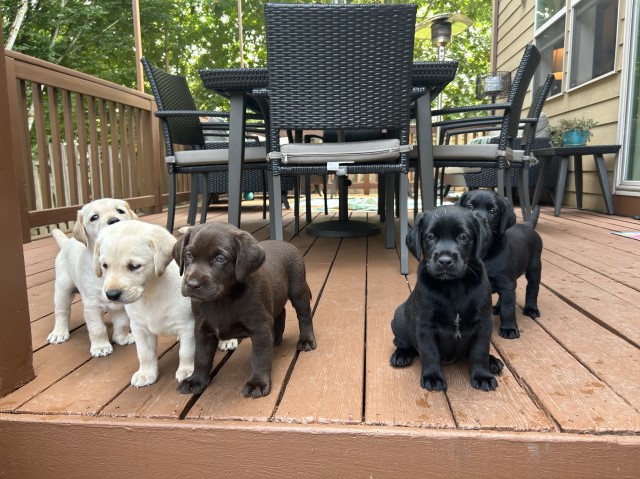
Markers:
<point>576,150</point>
<point>433,76</point>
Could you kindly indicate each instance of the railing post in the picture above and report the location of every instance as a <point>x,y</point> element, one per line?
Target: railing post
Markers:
<point>16,135</point>
<point>16,354</point>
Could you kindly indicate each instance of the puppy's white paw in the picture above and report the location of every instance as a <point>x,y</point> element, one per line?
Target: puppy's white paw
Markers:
<point>143,378</point>
<point>183,373</point>
<point>229,345</point>
<point>57,337</point>
<point>124,339</point>
<point>183,230</point>
<point>101,349</point>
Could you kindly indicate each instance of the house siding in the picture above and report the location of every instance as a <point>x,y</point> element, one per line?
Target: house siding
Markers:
<point>598,99</point>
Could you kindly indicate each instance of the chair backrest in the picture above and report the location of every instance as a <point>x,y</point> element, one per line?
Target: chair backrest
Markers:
<point>535,110</point>
<point>172,93</point>
<point>521,80</point>
<point>339,66</point>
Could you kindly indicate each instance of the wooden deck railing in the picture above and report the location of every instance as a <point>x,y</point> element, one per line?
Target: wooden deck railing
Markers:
<point>78,138</point>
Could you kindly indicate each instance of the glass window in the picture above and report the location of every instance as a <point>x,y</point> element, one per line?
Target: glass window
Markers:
<point>545,9</point>
<point>551,46</point>
<point>593,40</point>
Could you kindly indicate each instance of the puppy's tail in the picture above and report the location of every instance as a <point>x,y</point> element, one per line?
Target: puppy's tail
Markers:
<point>533,221</point>
<point>59,236</point>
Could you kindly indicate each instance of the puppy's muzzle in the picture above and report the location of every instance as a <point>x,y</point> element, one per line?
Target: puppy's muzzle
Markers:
<point>193,283</point>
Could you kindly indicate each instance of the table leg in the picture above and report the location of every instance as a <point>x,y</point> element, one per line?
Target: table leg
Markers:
<point>236,154</point>
<point>603,178</point>
<point>577,167</point>
<point>562,184</point>
<point>425,150</point>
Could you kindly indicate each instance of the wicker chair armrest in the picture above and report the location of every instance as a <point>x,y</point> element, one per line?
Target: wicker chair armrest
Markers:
<point>179,113</point>
<point>469,108</point>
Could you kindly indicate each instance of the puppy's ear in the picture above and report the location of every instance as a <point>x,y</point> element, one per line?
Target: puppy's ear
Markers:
<point>97,267</point>
<point>483,234</point>
<point>462,201</point>
<point>178,249</point>
<point>249,255</point>
<point>130,213</point>
<point>414,236</point>
<point>508,218</point>
<point>79,231</point>
<point>161,243</point>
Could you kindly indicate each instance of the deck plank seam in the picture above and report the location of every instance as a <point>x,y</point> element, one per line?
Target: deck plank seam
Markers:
<point>591,316</point>
<point>527,388</point>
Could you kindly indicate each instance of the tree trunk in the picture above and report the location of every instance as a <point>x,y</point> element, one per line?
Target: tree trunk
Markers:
<point>17,23</point>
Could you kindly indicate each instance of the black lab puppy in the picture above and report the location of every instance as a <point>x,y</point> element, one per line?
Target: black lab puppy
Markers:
<point>515,250</point>
<point>448,314</point>
<point>238,289</point>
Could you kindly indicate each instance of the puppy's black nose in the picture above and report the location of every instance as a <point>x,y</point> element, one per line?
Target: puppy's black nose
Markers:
<point>194,283</point>
<point>445,261</point>
<point>113,220</point>
<point>114,294</point>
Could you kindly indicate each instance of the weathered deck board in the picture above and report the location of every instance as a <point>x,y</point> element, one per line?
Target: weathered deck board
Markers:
<point>571,382</point>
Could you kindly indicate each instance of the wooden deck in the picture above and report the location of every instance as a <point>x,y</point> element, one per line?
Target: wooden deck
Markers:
<point>567,404</point>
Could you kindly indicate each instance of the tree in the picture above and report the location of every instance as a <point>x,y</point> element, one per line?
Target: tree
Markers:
<point>183,36</point>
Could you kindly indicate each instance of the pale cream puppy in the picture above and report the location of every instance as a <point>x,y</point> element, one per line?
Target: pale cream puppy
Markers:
<point>136,263</point>
<point>75,273</point>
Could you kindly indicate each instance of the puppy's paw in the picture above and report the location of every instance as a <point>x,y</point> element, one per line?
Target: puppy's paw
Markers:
<point>57,337</point>
<point>433,382</point>
<point>495,364</point>
<point>509,332</point>
<point>124,338</point>
<point>101,349</point>
<point>484,382</point>
<point>184,372</point>
<point>229,345</point>
<point>533,313</point>
<point>401,358</point>
<point>256,388</point>
<point>143,378</point>
<point>306,344</point>
<point>193,385</point>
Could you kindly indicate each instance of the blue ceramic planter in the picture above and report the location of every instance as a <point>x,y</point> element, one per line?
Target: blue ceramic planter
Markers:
<point>575,137</point>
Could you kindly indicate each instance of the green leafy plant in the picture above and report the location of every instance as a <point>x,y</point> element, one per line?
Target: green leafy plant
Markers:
<point>564,125</point>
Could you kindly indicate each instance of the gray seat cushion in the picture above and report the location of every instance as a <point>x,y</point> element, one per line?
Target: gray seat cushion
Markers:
<point>215,156</point>
<point>352,151</point>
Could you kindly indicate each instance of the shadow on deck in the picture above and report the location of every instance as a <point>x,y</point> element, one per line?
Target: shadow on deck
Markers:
<point>567,404</point>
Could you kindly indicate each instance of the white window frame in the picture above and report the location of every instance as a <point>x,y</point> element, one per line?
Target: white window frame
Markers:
<point>569,9</point>
<point>566,86</point>
<point>627,84</point>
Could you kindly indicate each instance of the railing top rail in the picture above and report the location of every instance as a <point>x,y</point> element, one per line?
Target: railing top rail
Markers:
<point>34,65</point>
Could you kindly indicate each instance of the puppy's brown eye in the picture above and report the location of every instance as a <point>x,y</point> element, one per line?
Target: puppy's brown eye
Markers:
<point>463,237</point>
<point>134,267</point>
<point>431,237</point>
<point>104,265</point>
<point>469,207</point>
<point>493,211</point>
<point>219,259</point>
<point>188,256</point>
<point>94,218</point>
<point>120,210</point>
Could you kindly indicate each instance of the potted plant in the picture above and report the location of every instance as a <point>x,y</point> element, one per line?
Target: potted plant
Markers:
<point>572,132</point>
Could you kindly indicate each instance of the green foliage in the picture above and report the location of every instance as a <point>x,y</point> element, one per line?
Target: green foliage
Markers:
<point>183,36</point>
<point>556,132</point>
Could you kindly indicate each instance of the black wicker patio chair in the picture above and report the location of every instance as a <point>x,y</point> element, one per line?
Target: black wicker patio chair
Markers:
<point>534,135</point>
<point>181,125</point>
<point>355,74</point>
<point>498,156</point>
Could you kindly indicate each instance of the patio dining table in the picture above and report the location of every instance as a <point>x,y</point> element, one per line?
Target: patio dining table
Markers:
<point>240,86</point>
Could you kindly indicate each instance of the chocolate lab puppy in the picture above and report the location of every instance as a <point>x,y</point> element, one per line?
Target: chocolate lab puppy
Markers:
<point>515,250</point>
<point>238,289</point>
<point>448,314</point>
